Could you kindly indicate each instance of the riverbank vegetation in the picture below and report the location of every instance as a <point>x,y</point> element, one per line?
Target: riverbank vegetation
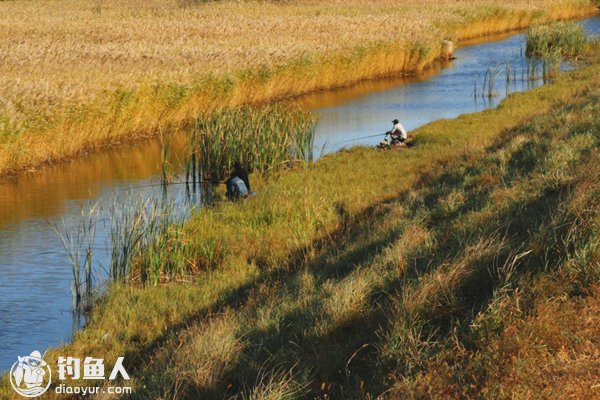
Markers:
<point>465,267</point>
<point>146,234</point>
<point>559,39</point>
<point>259,138</point>
<point>78,75</point>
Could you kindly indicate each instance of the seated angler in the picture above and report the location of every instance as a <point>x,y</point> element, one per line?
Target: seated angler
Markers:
<point>238,184</point>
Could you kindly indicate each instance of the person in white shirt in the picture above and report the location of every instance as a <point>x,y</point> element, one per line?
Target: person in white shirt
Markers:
<point>398,133</point>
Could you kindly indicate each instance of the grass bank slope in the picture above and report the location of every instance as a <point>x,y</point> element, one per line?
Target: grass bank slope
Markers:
<point>465,267</point>
<point>478,280</point>
<point>77,75</point>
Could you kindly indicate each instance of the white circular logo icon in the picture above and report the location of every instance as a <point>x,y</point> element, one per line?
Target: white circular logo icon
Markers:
<point>30,376</point>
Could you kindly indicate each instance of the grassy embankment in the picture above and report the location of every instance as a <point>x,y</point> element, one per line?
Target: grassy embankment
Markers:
<point>78,75</point>
<point>466,266</point>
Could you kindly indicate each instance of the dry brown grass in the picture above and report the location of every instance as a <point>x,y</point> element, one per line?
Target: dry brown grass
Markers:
<point>78,74</point>
<point>66,50</point>
<point>553,354</point>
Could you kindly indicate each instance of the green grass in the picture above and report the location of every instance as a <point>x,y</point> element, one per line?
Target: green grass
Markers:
<point>351,280</point>
<point>399,288</point>
<point>377,303</point>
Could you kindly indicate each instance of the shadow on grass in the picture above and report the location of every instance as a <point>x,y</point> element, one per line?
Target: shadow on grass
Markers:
<point>342,362</point>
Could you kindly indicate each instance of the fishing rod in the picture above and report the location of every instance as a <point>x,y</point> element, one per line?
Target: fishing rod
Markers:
<point>364,137</point>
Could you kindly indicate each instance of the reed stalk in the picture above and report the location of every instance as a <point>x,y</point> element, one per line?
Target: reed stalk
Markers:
<point>79,243</point>
<point>146,241</point>
<point>489,81</point>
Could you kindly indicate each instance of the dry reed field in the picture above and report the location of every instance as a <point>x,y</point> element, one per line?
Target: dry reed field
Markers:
<point>77,74</point>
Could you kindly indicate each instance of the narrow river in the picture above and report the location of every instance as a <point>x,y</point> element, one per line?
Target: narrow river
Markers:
<point>35,274</point>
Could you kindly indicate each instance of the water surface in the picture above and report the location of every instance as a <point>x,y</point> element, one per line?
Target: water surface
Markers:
<point>351,117</point>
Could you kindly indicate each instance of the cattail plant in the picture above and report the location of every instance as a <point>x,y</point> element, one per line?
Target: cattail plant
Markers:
<point>564,38</point>
<point>553,43</point>
<point>260,138</point>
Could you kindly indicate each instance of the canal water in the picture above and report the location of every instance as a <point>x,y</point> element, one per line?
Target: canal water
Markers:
<point>35,274</point>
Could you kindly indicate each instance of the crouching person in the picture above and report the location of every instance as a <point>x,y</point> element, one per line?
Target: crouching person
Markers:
<point>238,184</point>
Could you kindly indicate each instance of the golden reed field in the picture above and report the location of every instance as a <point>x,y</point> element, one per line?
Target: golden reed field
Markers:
<point>79,74</point>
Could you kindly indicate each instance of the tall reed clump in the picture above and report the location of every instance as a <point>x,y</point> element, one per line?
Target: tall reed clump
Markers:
<point>260,138</point>
<point>564,39</point>
<point>555,42</point>
<point>147,242</point>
